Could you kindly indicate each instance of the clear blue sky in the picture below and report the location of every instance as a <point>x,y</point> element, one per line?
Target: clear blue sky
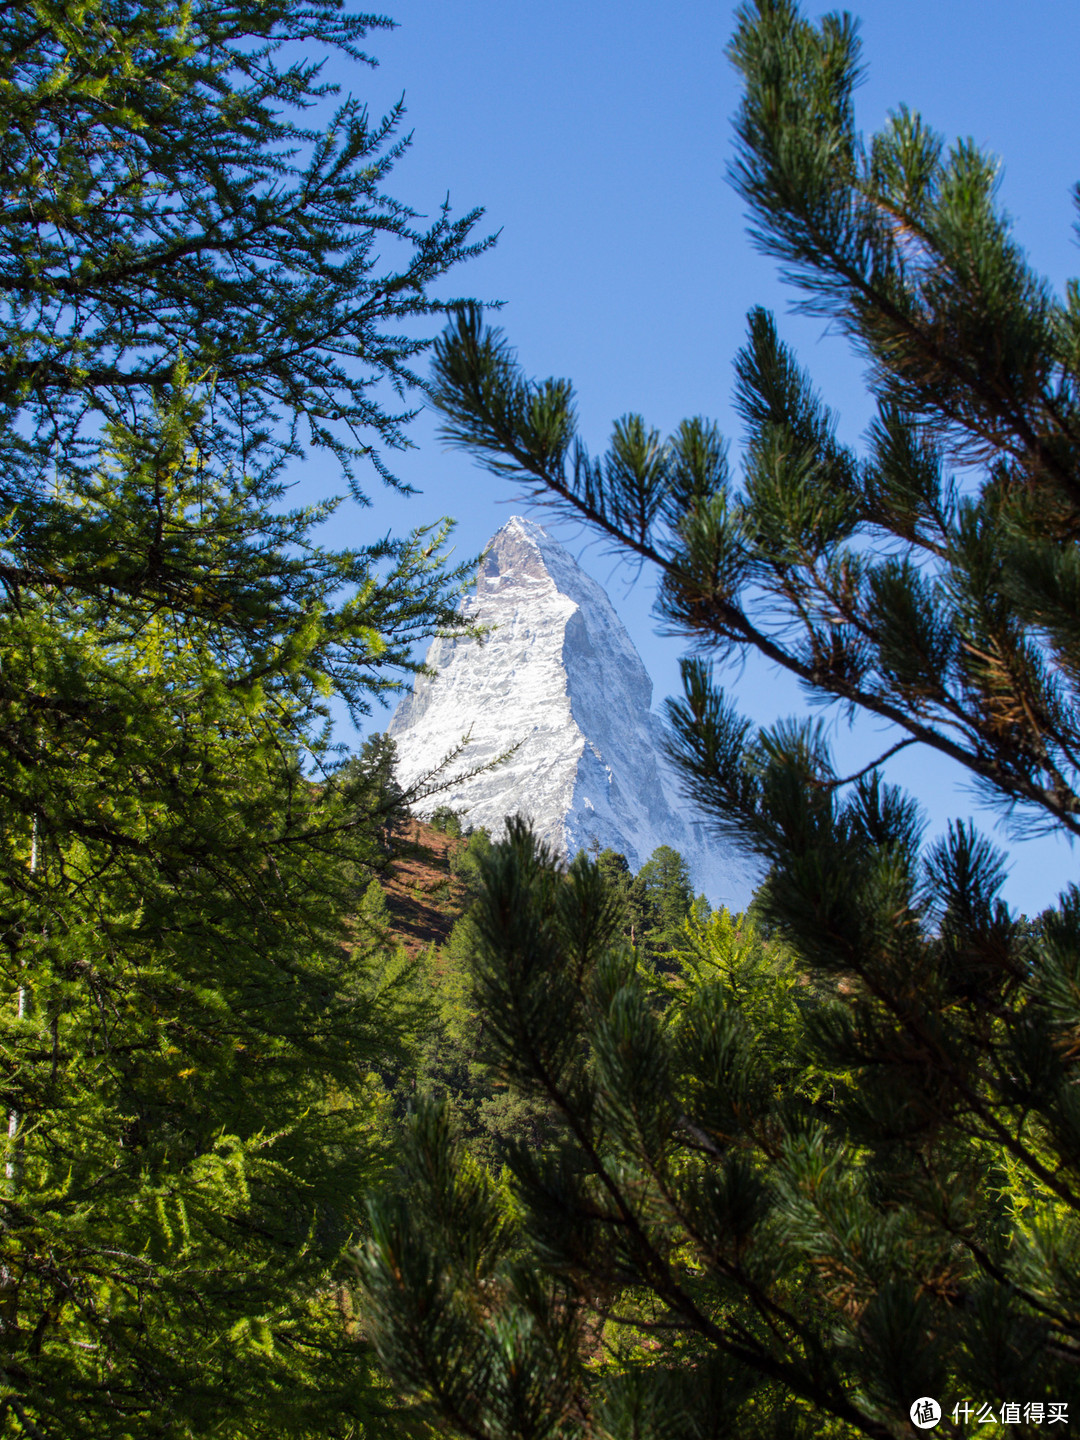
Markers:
<point>596,135</point>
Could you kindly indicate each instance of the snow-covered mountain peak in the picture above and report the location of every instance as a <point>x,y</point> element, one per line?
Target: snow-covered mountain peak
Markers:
<point>558,677</point>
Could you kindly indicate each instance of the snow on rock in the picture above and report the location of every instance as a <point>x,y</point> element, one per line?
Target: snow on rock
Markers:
<point>558,676</point>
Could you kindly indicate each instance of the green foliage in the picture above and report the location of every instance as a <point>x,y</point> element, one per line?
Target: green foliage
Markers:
<point>751,1180</point>
<point>818,1192</point>
<point>520,1365</point>
<point>188,1031</point>
<point>660,898</point>
<point>374,911</point>
<point>187,1036</point>
<point>446,821</point>
<point>647,1213</point>
<point>374,788</point>
<point>655,902</point>
<point>489,1117</point>
<point>465,862</point>
<point>615,869</point>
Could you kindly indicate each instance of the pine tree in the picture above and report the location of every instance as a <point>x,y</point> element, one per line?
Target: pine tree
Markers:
<point>371,774</point>
<point>189,1028</point>
<point>661,898</point>
<point>806,1245</point>
<point>445,819</point>
<point>654,902</point>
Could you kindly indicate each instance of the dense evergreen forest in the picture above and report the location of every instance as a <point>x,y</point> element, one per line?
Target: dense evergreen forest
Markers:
<point>323,1123</point>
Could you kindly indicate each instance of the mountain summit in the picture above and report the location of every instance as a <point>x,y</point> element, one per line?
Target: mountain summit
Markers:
<point>558,676</point>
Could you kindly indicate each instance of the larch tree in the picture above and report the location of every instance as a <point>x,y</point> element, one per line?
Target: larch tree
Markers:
<point>791,1203</point>
<point>195,292</point>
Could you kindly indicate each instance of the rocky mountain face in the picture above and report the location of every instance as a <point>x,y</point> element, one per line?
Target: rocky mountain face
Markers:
<point>558,677</point>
